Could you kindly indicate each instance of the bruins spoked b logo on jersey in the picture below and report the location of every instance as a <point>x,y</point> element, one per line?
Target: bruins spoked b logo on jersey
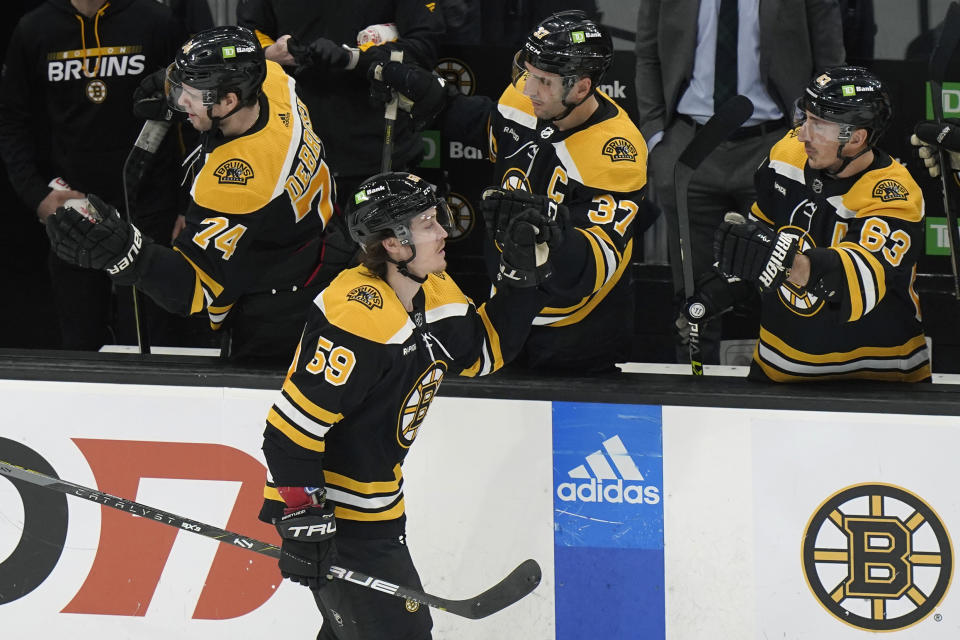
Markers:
<point>234,171</point>
<point>417,403</point>
<point>877,557</point>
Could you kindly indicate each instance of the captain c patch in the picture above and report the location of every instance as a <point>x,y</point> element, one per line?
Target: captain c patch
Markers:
<point>619,149</point>
<point>888,190</point>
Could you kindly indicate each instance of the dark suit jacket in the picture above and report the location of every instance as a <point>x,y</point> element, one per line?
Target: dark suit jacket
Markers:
<point>797,39</point>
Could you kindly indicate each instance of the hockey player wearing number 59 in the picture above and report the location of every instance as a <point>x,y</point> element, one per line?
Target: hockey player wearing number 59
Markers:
<point>262,193</point>
<point>833,244</point>
<point>378,342</point>
<point>554,133</point>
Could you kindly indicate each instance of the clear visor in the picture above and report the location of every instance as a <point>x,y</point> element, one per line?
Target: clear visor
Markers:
<point>817,130</point>
<point>430,228</point>
<point>521,76</point>
<point>181,97</point>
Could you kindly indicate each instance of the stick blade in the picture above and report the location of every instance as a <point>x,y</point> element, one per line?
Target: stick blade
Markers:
<point>521,581</point>
<point>728,118</point>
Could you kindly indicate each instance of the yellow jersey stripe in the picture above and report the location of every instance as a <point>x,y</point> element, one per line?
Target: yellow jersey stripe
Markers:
<point>367,488</point>
<point>308,406</point>
<point>879,275</point>
<point>598,297</point>
<point>853,286</point>
<point>493,339</point>
<point>215,287</point>
<point>293,434</point>
<point>861,352</point>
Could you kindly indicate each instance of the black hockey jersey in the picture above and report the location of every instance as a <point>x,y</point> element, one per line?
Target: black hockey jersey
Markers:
<point>867,323</point>
<point>362,380</point>
<point>599,171</point>
<point>259,205</point>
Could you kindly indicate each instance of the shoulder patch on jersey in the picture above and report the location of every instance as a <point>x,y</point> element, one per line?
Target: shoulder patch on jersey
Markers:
<point>889,190</point>
<point>234,171</point>
<point>620,149</point>
<point>367,295</point>
<point>582,154</point>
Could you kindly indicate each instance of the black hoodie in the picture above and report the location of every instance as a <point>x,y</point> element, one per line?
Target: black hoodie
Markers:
<point>66,98</point>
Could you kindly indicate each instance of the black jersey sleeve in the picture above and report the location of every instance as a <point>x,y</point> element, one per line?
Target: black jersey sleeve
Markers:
<point>258,16</point>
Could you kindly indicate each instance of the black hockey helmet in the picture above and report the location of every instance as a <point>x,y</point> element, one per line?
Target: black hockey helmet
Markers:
<point>849,96</point>
<point>387,202</point>
<point>569,44</point>
<point>216,62</point>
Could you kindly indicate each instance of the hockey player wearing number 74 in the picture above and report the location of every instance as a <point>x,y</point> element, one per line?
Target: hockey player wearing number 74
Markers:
<point>832,245</point>
<point>377,344</point>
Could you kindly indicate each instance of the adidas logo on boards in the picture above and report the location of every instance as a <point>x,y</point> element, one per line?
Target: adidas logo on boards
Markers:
<point>605,484</point>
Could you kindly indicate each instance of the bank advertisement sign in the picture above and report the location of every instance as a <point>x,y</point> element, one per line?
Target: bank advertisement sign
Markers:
<point>608,520</point>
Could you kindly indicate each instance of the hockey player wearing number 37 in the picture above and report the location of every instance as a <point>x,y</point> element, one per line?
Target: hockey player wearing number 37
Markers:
<point>377,344</point>
<point>832,244</point>
<point>251,249</point>
<point>553,133</point>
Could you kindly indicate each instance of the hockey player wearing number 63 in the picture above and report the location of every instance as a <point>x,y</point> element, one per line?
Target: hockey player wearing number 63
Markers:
<point>251,250</point>
<point>832,245</point>
<point>377,344</point>
<point>554,133</point>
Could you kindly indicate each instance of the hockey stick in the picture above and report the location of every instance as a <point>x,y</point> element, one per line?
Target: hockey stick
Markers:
<point>520,582</point>
<point>389,121</point>
<point>134,167</point>
<point>728,118</point>
<point>939,60</point>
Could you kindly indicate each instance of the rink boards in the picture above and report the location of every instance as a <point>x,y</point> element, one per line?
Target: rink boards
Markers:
<point>649,521</point>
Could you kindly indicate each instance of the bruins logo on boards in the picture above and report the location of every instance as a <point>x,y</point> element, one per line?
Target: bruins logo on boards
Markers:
<point>620,149</point>
<point>96,91</point>
<point>457,73</point>
<point>417,402</point>
<point>888,190</point>
<point>877,557</point>
<point>367,295</point>
<point>234,171</point>
<point>462,216</point>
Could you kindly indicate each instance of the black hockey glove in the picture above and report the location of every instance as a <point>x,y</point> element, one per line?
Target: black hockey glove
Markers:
<point>753,251</point>
<point>150,101</point>
<point>308,547</point>
<point>320,55</point>
<point>929,135</point>
<point>423,94</point>
<point>713,296</point>
<point>112,243</point>
<point>499,207</point>
<point>525,249</point>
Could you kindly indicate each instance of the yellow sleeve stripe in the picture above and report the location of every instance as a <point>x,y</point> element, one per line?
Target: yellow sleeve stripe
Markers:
<point>215,287</point>
<point>366,488</point>
<point>493,339</point>
<point>902,350</point>
<point>196,305</point>
<point>473,370</point>
<point>271,493</point>
<point>392,513</point>
<point>597,258</point>
<point>296,436</point>
<point>755,210</point>
<point>853,286</point>
<point>598,296</point>
<point>265,40</point>
<point>879,275</point>
<point>301,401</point>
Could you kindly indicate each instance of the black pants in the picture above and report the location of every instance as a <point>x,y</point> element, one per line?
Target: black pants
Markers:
<point>352,612</point>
